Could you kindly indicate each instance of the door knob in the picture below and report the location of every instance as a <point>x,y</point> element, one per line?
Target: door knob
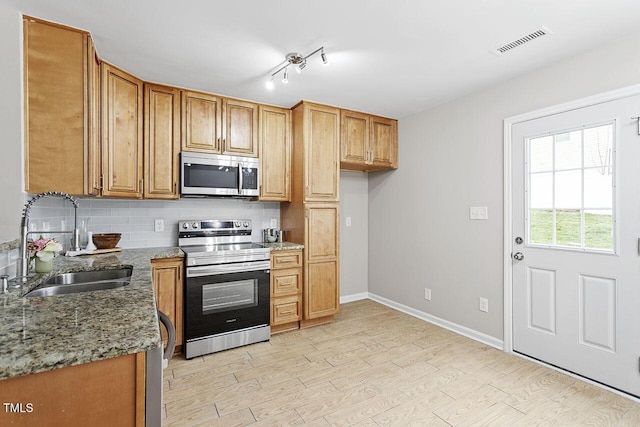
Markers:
<point>518,256</point>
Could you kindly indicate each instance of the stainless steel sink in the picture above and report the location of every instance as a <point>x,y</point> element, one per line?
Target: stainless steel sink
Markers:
<point>82,281</point>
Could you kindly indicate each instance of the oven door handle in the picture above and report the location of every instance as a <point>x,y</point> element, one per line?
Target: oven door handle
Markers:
<point>238,267</point>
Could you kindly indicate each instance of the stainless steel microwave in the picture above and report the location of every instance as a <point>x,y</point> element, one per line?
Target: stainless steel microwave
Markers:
<point>219,175</point>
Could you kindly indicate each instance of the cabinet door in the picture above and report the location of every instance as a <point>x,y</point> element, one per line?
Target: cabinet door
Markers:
<point>323,153</point>
<point>275,154</point>
<point>384,142</point>
<point>201,122</point>
<point>121,133</point>
<point>161,142</point>
<point>94,152</point>
<point>240,135</point>
<point>322,272</point>
<point>168,287</point>
<point>56,103</point>
<point>355,151</point>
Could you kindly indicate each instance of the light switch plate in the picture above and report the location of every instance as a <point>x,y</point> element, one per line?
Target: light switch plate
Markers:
<point>348,221</point>
<point>478,212</point>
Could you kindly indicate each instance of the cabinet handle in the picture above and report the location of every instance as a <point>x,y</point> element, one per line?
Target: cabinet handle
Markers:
<point>101,182</point>
<point>142,186</point>
<point>219,145</point>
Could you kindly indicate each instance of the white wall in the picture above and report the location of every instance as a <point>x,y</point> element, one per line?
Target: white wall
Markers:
<point>354,240</point>
<point>451,158</point>
<point>10,123</point>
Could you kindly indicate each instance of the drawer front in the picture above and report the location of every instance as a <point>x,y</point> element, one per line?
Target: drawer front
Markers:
<point>285,310</point>
<point>286,259</point>
<point>286,282</point>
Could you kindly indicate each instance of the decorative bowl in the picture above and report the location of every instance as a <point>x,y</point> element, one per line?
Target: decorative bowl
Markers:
<point>106,240</point>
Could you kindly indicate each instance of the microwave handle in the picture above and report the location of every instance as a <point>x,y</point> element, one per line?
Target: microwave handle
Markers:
<point>240,179</point>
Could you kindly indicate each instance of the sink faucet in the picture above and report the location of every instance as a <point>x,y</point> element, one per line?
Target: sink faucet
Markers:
<point>24,229</point>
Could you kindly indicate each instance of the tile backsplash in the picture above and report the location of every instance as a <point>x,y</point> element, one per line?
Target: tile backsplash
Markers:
<point>135,218</point>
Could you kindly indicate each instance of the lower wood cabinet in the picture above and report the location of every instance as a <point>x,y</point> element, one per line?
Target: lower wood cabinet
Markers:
<point>286,290</point>
<point>107,393</point>
<point>168,287</point>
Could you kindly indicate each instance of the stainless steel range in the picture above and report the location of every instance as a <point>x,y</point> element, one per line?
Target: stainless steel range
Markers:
<point>227,286</point>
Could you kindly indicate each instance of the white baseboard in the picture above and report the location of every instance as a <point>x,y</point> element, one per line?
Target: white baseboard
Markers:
<point>355,297</point>
<point>462,330</point>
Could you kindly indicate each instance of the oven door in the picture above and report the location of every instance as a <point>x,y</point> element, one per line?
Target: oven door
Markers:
<point>227,302</point>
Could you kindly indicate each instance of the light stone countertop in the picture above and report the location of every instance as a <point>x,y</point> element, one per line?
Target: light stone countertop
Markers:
<point>284,246</point>
<point>45,333</point>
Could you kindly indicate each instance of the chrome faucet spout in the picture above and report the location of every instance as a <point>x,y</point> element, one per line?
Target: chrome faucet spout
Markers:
<point>24,229</point>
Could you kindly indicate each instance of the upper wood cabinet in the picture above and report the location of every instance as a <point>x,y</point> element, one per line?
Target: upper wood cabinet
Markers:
<point>240,128</point>
<point>316,130</point>
<point>275,153</point>
<point>211,124</point>
<point>121,127</point>
<point>383,139</point>
<point>161,141</point>
<point>201,122</point>
<point>368,142</point>
<point>355,138</point>
<point>58,107</point>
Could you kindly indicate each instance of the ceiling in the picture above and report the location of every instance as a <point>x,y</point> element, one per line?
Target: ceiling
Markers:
<point>393,58</point>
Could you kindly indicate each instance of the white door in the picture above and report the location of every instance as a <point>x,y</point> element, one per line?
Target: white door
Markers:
<point>576,273</point>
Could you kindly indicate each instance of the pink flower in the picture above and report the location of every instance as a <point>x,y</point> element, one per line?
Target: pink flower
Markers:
<point>34,247</point>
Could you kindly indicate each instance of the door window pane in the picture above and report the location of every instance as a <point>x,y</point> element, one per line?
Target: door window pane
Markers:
<point>541,154</point>
<point>568,223</point>
<point>568,150</point>
<point>598,148</point>
<point>598,189</point>
<point>541,225</point>
<point>570,194</point>
<point>568,186</point>
<point>598,232</point>
<point>541,190</point>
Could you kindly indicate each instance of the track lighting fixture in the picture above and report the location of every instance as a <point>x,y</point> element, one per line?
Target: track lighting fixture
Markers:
<point>300,63</point>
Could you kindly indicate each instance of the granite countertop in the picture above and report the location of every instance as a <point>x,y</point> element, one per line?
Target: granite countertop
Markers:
<point>284,246</point>
<point>41,334</point>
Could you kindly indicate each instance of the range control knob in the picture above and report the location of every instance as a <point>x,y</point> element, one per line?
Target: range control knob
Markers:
<point>246,224</point>
<point>185,225</point>
<point>237,224</point>
<point>195,225</point>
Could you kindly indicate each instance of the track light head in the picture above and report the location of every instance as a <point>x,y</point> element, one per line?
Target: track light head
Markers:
<point>301,66</point>
<point>285,76</point>
<point>325,61</point>
<point>270,84</point>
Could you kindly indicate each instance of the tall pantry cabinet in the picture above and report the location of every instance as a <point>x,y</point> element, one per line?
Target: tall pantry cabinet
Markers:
<point>312,217</point>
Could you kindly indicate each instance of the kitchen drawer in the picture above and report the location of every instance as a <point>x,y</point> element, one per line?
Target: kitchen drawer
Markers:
<point>286,259</point>
<point>285,310</point>
<point>286,282</point>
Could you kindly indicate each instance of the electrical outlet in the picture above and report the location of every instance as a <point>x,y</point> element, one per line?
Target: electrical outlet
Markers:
<point>484,305</point>
<point>158,225</point>
<point>274,223</point>
<point>348,221</point>
<point>427,294</point>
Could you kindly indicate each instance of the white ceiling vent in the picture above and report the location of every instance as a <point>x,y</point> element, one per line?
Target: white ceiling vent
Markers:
<point>542,31</point>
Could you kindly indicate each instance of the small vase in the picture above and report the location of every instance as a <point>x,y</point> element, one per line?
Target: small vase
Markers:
<point>43,266</point>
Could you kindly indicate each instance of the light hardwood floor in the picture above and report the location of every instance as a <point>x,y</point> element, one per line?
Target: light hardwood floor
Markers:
<point>376,366</point>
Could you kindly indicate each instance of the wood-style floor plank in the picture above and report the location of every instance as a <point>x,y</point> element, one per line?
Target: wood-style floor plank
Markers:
<point>375,366</point>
